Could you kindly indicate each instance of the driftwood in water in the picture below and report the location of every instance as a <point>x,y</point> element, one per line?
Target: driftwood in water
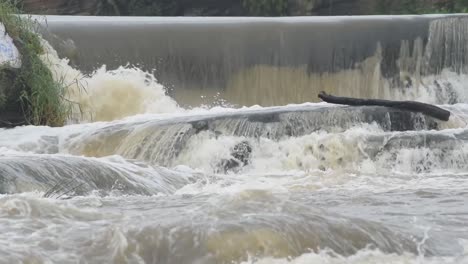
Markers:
<point>427,109</point>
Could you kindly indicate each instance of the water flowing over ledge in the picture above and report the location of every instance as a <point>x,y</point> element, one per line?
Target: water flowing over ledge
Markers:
<point>272,61</point>
<point>138,177</point>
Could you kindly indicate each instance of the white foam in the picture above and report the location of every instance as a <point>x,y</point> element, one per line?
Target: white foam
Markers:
<point>108,95</point>
<point>362,257</point>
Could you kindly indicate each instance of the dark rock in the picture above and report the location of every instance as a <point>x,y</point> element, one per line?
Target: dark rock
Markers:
<point>200,126</point>
<point>241,154</point>
<point>11,112</point>
<point>264,118</point>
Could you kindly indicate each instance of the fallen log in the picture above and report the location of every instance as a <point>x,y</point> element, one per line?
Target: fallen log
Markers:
<point>427,109</point>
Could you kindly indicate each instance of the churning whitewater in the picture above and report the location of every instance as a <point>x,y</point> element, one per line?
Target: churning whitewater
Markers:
<point>137,178</point>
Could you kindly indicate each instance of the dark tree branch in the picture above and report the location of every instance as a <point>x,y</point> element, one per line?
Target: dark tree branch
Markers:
<point>427,109</point>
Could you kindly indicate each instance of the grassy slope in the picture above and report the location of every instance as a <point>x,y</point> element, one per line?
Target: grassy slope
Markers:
<point>39,96</point>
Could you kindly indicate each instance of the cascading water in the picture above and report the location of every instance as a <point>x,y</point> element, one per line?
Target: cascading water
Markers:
<point>136,178</point>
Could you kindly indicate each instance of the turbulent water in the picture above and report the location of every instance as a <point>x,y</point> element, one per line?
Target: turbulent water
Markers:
<point>136,178</point>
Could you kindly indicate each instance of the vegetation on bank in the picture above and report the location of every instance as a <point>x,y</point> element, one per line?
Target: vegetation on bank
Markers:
<point>31,89</point>
<point>266,7</point>
<point>421,6</point>
<point>241,7</point>
<point>178,7</point>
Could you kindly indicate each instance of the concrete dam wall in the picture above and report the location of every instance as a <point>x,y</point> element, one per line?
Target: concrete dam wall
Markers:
<point>271,61</point>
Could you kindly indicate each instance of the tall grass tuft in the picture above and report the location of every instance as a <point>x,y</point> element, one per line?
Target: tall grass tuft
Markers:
<point>41,97</point>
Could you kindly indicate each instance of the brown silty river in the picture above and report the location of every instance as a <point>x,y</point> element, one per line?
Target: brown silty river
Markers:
<point>147,173</point>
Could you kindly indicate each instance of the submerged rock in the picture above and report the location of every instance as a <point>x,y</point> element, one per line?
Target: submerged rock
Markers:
<point>241,154</point>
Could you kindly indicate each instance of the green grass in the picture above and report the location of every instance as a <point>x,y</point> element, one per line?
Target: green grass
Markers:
<point>41,97</point>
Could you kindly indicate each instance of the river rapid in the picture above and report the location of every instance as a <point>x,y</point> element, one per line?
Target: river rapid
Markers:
<point>137,178</point>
